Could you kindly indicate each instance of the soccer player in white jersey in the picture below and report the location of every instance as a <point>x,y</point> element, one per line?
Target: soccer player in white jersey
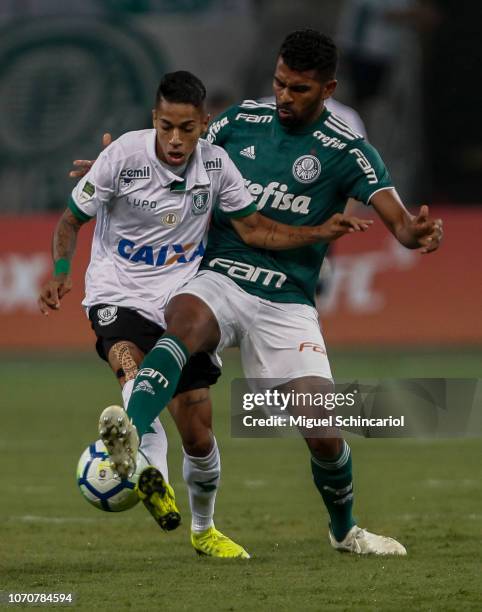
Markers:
<point>153,192</point>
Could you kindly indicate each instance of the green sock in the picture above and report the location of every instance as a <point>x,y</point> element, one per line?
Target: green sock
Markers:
<point>156,381</point>
<point>333,480</point>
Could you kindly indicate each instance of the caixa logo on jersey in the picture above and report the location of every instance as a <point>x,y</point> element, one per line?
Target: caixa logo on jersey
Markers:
<point>164,255</point>
<point>129,176</point>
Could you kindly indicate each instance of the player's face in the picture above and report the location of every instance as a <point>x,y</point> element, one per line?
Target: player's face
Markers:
<point>178,127</point>
<point>300,96</point>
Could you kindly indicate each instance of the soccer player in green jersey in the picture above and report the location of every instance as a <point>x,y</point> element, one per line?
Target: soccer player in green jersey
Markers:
<point>301,163</point>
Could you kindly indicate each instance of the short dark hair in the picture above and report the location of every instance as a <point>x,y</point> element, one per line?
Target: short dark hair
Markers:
<point>181,87</point>
<point>310,50</point>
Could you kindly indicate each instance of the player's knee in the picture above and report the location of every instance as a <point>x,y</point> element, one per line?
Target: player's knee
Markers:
<point>189,319</point>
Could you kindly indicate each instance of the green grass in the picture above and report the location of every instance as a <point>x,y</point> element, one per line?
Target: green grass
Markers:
<point>427,494</point>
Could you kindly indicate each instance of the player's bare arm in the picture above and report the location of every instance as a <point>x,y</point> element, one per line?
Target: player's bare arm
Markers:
<point>63,248</point>
<point>256,230</point>
<point>413,231</point>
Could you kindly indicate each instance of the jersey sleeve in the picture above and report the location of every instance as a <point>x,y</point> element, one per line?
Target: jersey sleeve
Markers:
<point>93,190</point>
<point>363,172</point>
<point>234,198</point>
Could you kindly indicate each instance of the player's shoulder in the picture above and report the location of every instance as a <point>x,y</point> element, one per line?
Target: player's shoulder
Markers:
<point>334,134</point>
<point>246,114</point>
<point>333,126</point>
<point>253,112</point>
<point>209,149</point>
<point>213,156</point>
<point>348,114</point>
<point>129,145</point>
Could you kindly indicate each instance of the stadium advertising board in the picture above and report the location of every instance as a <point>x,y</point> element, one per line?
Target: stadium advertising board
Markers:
<point>378,292</point>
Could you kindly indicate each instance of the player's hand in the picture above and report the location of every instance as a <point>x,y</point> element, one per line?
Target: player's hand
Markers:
<point>84,165</point>
<point>53,291</point>
<point>428,232</point>
<point>338,225</point>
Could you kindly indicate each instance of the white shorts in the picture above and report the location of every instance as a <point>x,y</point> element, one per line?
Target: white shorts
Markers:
<point>278,341</point>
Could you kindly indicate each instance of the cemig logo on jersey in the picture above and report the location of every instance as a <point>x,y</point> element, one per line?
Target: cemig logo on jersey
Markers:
<point>165,255</point>
<point>306,169</point>
<point>280,198</point>
<point>130,175</point>
<point>329,141</point>
<point>213,164</point>
<point>365,165</point>
<point>254,118</point>
<point>244,271</point>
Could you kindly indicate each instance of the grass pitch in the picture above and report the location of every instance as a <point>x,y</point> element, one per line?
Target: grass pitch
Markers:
<point>427,494</point>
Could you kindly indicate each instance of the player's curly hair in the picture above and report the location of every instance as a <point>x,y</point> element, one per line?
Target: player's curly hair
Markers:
<point>310,50</point>
<point>181,87</point>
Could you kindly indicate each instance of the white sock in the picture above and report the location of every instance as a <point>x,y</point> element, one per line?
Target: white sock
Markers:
<point>153,445</point>
<point>202,475</point>
<point>127,392</point>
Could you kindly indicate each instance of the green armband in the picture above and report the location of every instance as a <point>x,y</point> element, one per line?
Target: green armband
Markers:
<point>61,266</point>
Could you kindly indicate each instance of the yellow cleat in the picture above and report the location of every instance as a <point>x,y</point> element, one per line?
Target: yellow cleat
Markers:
<point>158,497</point>
<point>213,543</point>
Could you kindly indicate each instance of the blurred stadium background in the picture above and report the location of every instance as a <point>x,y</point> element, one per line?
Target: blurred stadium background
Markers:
<point>70,72</point>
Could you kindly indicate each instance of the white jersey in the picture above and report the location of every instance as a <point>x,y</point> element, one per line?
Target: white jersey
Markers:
<point>151,224</point>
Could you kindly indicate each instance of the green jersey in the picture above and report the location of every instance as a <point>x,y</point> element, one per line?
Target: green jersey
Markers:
<point>297,177</point>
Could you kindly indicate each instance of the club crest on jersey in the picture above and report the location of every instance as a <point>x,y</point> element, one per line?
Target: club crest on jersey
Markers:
<point>306,169</point>
<point>200,201</point>
<point>107,315</point>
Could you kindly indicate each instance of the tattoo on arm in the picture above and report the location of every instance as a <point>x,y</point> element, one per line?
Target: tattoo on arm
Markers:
<point>65,236</point>
<point>261,232</point>
<point>283,236</point>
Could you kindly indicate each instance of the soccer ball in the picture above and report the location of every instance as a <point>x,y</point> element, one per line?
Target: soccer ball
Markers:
<point>98,484</point>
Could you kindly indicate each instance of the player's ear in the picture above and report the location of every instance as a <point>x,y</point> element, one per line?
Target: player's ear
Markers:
<point>205,122</point>
<point>329,88</point>
<point>154,117</point>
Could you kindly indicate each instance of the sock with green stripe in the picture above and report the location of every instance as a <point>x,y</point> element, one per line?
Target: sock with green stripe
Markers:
<point>333,479</point>
<point>156,381</point>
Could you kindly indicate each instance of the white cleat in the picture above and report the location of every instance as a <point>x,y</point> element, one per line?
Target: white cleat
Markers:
<point>121,440</point>
<point>362,542</point>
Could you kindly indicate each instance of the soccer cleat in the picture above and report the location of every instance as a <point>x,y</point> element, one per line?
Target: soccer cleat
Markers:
<point>120,438</point>
<point>212,543</point>
<point>158,497</point>
<point>362,542</point>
